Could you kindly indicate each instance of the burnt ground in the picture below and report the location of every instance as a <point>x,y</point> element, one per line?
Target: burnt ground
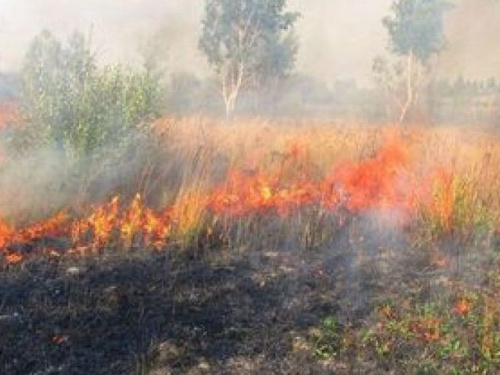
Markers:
<point>152,313</point>
<point>228,312</point>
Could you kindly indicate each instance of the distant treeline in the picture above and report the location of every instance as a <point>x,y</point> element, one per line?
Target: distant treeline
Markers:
<point>451,101</point>
<point>455,101</point>
<point>297,96</point>
<point>465,101</point>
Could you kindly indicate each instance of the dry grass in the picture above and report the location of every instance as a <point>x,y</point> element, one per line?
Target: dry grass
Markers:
<point>208,149</point>
<point>357,289</point>
<point>452,173</point>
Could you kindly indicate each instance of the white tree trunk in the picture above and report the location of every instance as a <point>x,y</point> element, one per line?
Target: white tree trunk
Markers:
<point>231,82</point>
<point>409,88</point>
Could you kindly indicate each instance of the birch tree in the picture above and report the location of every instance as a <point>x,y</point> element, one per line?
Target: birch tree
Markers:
<point>416,32</point>
<point>245,41</point>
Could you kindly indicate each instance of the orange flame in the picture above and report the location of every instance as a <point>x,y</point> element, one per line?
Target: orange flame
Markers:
<point>462,307</point>
<point>108,224</point>
<point>383,181</point>
<point>373,183</point>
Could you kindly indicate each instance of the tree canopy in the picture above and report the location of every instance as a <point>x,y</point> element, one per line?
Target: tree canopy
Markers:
<point>247,42</point>
<point>416,31</point>
<point>416,26</point>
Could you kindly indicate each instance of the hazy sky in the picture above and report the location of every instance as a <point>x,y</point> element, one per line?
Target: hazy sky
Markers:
<point>339,38</point>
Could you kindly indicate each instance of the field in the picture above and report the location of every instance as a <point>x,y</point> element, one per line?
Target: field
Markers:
<point>250,247</point>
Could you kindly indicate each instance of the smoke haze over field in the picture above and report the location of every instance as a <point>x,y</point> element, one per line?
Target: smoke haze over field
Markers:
<point>339,38</point>
<point>119,27</point>
<point>473,49</point>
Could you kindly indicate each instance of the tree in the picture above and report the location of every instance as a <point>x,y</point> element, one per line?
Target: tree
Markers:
<point>415,29</point>
<point>247,42</point>
<point>73,105</point>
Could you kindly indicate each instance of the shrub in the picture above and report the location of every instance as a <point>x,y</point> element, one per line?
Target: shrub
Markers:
<point>71,104</point>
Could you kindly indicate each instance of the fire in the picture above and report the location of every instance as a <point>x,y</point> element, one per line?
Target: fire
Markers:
<point>462,307</point>
<point>107,225</point>
<point>13,258</point>
<point>127,226</point>
<point>248,194</point>
<point>384,181</point>
<point>52,227</point>
<point>102,222</point>
<point>376,183</point>
<point>6,233</point>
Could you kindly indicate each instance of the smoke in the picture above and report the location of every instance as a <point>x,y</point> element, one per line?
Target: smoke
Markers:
<point>46,180</point>
<point>365,249</point>
<point>118,28</point>
<point>338,41</point>
<point>472,49</point>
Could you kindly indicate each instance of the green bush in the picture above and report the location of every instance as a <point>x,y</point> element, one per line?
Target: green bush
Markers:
<point>71,104</point>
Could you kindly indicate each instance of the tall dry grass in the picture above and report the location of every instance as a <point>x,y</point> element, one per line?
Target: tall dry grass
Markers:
<point>459,168</point>
<point>188,159</point>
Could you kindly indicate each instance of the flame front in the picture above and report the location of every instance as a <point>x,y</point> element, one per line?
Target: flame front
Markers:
<point>384,181</point>
<point>376,183</point>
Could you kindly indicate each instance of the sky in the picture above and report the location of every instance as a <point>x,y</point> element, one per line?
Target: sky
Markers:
<point>338,38</point>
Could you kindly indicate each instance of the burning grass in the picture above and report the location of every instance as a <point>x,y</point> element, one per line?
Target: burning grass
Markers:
<point>377,215</point>
<point>280,178</point>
